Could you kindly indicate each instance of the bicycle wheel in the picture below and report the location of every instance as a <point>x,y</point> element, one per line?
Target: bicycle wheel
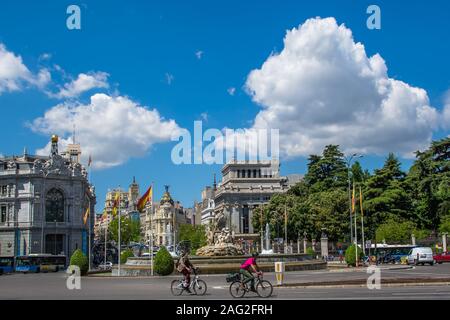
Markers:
<point>177,287</point>
<point>200,287</point>
<point>236,290</point>
<point>264,289</point>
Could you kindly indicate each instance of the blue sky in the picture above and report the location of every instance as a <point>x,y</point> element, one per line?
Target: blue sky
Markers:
<point>140,44</point>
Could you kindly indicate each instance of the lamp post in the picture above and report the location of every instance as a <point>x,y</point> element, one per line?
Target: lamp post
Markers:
<point>54,238</point>
<point>261,227</point>
<point>285,226</point>
<point>44,177</point>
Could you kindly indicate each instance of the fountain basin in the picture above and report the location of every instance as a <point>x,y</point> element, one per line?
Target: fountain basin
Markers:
<point>226,264</point>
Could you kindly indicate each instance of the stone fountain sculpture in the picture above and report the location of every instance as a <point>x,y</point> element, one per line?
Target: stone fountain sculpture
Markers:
<point>219,239</point>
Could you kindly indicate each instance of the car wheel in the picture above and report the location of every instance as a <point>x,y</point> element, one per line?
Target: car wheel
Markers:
<point>440,262</point>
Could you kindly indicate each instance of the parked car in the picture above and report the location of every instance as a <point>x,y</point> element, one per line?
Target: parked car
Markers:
<point>421,255</point>
<point>105,266</point>
<point>442,257</point>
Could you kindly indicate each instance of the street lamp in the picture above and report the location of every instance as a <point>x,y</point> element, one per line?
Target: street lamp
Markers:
<point>44,176</point>
<point>54,238</point>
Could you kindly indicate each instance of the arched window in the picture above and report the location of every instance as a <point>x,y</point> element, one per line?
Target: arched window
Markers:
<point>54,206</point>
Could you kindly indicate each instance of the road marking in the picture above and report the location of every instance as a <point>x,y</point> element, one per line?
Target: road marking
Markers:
<point>218,287</point>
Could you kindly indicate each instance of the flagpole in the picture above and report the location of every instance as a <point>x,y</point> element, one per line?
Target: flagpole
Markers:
<point>89,246</point>
<point>362,220</point>
<point>151,231</point>
<point>89,216</point>
<point>356,230</point>
<point>120,204</point>
<point>106,236</point>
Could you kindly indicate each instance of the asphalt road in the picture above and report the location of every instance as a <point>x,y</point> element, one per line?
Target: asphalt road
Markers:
<point>53,286</point>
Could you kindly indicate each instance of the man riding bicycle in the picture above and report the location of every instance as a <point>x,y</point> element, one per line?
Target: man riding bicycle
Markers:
<point>185,267</point>
<point>247,267</point>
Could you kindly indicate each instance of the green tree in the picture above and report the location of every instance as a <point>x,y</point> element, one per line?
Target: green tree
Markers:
<point>327,171</point>
<point>350,255</point>
<point>429,183</point>
<point>130,230</point>
<point>124,255</point>
<point>164,264</point>
<point>395,231</point>
<point>445,225</point>
<point>196,235</point>
<point>80,260</point>
<point>329,213</point>
<point>386,196</point>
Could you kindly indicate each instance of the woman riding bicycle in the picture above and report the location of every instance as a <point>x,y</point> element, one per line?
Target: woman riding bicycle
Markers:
<point>185,267</point>
<point>247,267</point>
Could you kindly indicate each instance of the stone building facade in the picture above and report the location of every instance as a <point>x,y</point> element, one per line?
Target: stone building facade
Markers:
<point>42,204</point>
<point>246,185</point>
<point>163,220</point>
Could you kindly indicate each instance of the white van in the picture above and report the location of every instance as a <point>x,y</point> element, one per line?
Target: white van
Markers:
<point>421,255</point>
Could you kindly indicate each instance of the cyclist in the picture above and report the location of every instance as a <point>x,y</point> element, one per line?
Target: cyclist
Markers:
<point>185,267</point>
<point>246,267</point>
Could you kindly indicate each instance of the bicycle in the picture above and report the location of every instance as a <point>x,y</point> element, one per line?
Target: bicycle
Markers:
<point>197,285</point>
<point>264,288</point>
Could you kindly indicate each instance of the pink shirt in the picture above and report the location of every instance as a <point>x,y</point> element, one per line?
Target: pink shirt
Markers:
<point>248,263</point>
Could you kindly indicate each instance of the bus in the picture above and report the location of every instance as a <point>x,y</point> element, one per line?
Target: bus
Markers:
<point>40,263</point>
<point>6,265</point>
<point>390,253</point>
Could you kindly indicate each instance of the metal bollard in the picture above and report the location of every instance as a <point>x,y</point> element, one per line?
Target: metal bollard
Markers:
<point>279,272</point>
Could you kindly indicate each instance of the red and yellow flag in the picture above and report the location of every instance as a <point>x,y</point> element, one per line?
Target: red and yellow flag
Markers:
<point>86,215</point>
<point>116,204</point>
<point>353,199</point>
<point>146,198</point>
<point>361,201</point>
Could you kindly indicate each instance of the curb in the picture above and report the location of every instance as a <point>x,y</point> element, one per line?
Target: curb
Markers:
<point>363,282</point>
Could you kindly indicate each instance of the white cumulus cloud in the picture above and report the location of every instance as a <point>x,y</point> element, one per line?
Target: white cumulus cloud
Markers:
<point>110,129</point>
<point>322,88</point>
<point>14,74</point>
<point>83,83</point>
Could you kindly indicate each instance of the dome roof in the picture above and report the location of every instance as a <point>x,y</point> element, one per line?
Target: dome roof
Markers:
<point>166,198</point>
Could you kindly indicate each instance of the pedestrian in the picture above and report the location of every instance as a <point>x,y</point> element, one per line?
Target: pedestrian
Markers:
<point>341,255</point>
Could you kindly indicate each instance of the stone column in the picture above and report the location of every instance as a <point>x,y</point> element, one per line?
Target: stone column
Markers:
<point>444,242</point>
<point>324,246</point>
<point>304,244</point>
<point>413,239</point>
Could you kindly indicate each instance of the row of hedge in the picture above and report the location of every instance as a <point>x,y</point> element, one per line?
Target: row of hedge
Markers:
<point>163,263</point>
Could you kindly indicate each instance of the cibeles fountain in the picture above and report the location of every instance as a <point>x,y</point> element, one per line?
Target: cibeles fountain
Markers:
<point>219,239</point>
<point>221,255</point>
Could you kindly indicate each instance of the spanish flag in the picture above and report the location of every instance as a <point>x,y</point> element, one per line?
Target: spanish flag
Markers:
<point>361,200</point>
<point>116,204</point>
<point>353,199</point>
<point>146,198</point>
<point>86,215</point>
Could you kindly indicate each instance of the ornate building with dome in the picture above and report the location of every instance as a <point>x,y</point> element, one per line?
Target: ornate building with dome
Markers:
<point>164,220</point>
<point>42,203</point>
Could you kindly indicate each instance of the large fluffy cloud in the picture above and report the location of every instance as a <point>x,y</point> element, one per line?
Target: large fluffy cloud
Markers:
<point>111,129</point>
<point>322,88</point>
<point>83,83</point>
<point>14,74</point>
